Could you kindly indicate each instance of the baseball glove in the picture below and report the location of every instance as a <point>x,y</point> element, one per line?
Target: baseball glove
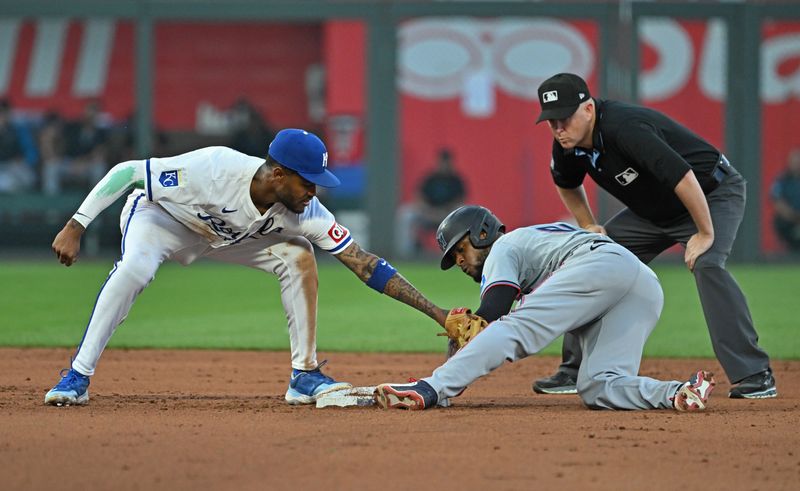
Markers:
<point>462,325</point>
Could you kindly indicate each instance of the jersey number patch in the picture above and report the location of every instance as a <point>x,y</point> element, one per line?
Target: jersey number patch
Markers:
<point>557,227</point>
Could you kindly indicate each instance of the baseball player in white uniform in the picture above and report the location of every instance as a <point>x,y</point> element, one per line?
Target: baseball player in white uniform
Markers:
<point>564,280</point>
<point>224,205</point>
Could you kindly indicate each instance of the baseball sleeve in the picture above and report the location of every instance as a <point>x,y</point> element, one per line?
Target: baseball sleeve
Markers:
<point>119,180</point>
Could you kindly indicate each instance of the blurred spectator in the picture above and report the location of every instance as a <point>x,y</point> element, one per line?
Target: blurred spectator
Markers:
<point>786,197</point>
<point>51,146</point>
<point>250,133</point>
<point>120,142</point>
<point>74,153</point>
<point>439,193</point>
<point>18,154</point>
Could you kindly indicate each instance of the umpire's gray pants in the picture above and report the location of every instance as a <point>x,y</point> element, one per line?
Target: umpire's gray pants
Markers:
<point>730,325</point>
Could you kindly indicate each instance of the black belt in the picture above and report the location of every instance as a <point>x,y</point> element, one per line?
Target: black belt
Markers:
<point>722,170</point>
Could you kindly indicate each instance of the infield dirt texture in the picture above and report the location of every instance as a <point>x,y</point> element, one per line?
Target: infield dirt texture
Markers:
<point>217,420</point>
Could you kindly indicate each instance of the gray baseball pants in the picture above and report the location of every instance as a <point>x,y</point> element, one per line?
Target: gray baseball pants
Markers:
<point>608,300</point>
<point>727,315</point>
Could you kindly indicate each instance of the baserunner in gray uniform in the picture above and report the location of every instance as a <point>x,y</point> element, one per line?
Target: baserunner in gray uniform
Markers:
<point>564,280</point>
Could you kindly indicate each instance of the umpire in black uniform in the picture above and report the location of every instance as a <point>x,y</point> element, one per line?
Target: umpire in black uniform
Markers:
<point>677,189</point>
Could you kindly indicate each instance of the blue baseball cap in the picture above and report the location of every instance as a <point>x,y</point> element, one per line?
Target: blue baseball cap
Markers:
<point>304,153</point>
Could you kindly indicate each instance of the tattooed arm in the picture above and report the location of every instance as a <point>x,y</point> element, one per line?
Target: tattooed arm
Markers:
<point>364,264</point>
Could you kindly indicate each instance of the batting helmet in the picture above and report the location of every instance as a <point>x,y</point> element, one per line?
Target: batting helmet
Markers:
<point>472,220</point>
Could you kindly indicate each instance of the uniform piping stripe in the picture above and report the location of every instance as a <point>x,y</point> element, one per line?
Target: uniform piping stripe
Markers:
<point>341,246</point>
<point>113,270</point>
<point>149,186</point>
<point>128,223</point>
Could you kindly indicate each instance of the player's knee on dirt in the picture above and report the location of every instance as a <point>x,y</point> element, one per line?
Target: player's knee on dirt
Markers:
<point>592,390</point>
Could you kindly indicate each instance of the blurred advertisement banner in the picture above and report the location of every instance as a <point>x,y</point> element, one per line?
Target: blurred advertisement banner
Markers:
<point>467,84</point>
<point>56,64</point>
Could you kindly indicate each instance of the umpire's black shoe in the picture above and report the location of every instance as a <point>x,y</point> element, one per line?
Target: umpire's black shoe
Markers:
<point>559,383</point>
<point>758,386</point>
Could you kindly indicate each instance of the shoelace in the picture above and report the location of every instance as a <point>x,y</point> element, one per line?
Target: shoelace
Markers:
<point>68,370</point>
<point>68,378</point>
<point>317,372</point>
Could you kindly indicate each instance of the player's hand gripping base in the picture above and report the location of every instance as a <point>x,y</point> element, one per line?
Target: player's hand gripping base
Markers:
<point>462,325</point>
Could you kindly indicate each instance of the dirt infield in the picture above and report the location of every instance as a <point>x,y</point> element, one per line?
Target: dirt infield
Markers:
<point>216,420</point>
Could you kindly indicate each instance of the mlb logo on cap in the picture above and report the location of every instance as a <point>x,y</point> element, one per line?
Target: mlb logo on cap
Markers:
<point>550,96</point>
<point>304,153</point>
<point>560,96</point>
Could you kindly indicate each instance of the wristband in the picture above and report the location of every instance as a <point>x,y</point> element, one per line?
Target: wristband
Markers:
<point>381,275</point>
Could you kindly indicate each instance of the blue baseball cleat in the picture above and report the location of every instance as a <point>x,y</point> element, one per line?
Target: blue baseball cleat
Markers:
<point>71,390</point>
<point>306,386</point>
<point>414,396</point>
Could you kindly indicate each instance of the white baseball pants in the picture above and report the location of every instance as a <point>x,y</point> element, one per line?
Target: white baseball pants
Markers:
<point>150,236</point>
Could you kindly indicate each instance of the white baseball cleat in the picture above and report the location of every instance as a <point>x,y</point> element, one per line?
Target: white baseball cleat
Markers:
<point>693,395</point>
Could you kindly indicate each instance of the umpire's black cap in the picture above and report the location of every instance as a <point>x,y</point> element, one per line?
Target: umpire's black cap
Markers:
<point>560,96</point>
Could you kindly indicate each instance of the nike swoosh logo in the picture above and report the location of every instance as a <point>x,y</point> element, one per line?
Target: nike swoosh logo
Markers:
<point>225,210</point>
<point>597,244</point>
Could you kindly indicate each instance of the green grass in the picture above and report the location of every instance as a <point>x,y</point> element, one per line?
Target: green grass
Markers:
<point>209,305</point>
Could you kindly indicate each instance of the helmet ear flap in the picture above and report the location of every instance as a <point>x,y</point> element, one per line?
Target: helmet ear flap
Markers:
<point>469,220</point>
<point>485,229</point>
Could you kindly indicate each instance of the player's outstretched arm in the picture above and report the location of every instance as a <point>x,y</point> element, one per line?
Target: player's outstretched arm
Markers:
<point>121,178</point>
<point>380,275</point>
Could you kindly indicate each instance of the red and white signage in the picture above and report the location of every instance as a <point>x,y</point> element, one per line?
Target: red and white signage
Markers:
<point>465,84</point>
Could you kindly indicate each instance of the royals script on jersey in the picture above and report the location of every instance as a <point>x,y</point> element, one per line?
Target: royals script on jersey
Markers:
<point>208,190</point>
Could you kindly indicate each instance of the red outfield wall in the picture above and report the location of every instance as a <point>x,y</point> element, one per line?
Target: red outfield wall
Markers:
<point>468,84</point>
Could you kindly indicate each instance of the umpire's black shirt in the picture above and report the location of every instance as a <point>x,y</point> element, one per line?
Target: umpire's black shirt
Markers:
<point>639,156</point>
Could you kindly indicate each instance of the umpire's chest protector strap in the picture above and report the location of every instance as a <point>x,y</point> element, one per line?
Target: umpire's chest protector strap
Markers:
<point>381,275</point>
